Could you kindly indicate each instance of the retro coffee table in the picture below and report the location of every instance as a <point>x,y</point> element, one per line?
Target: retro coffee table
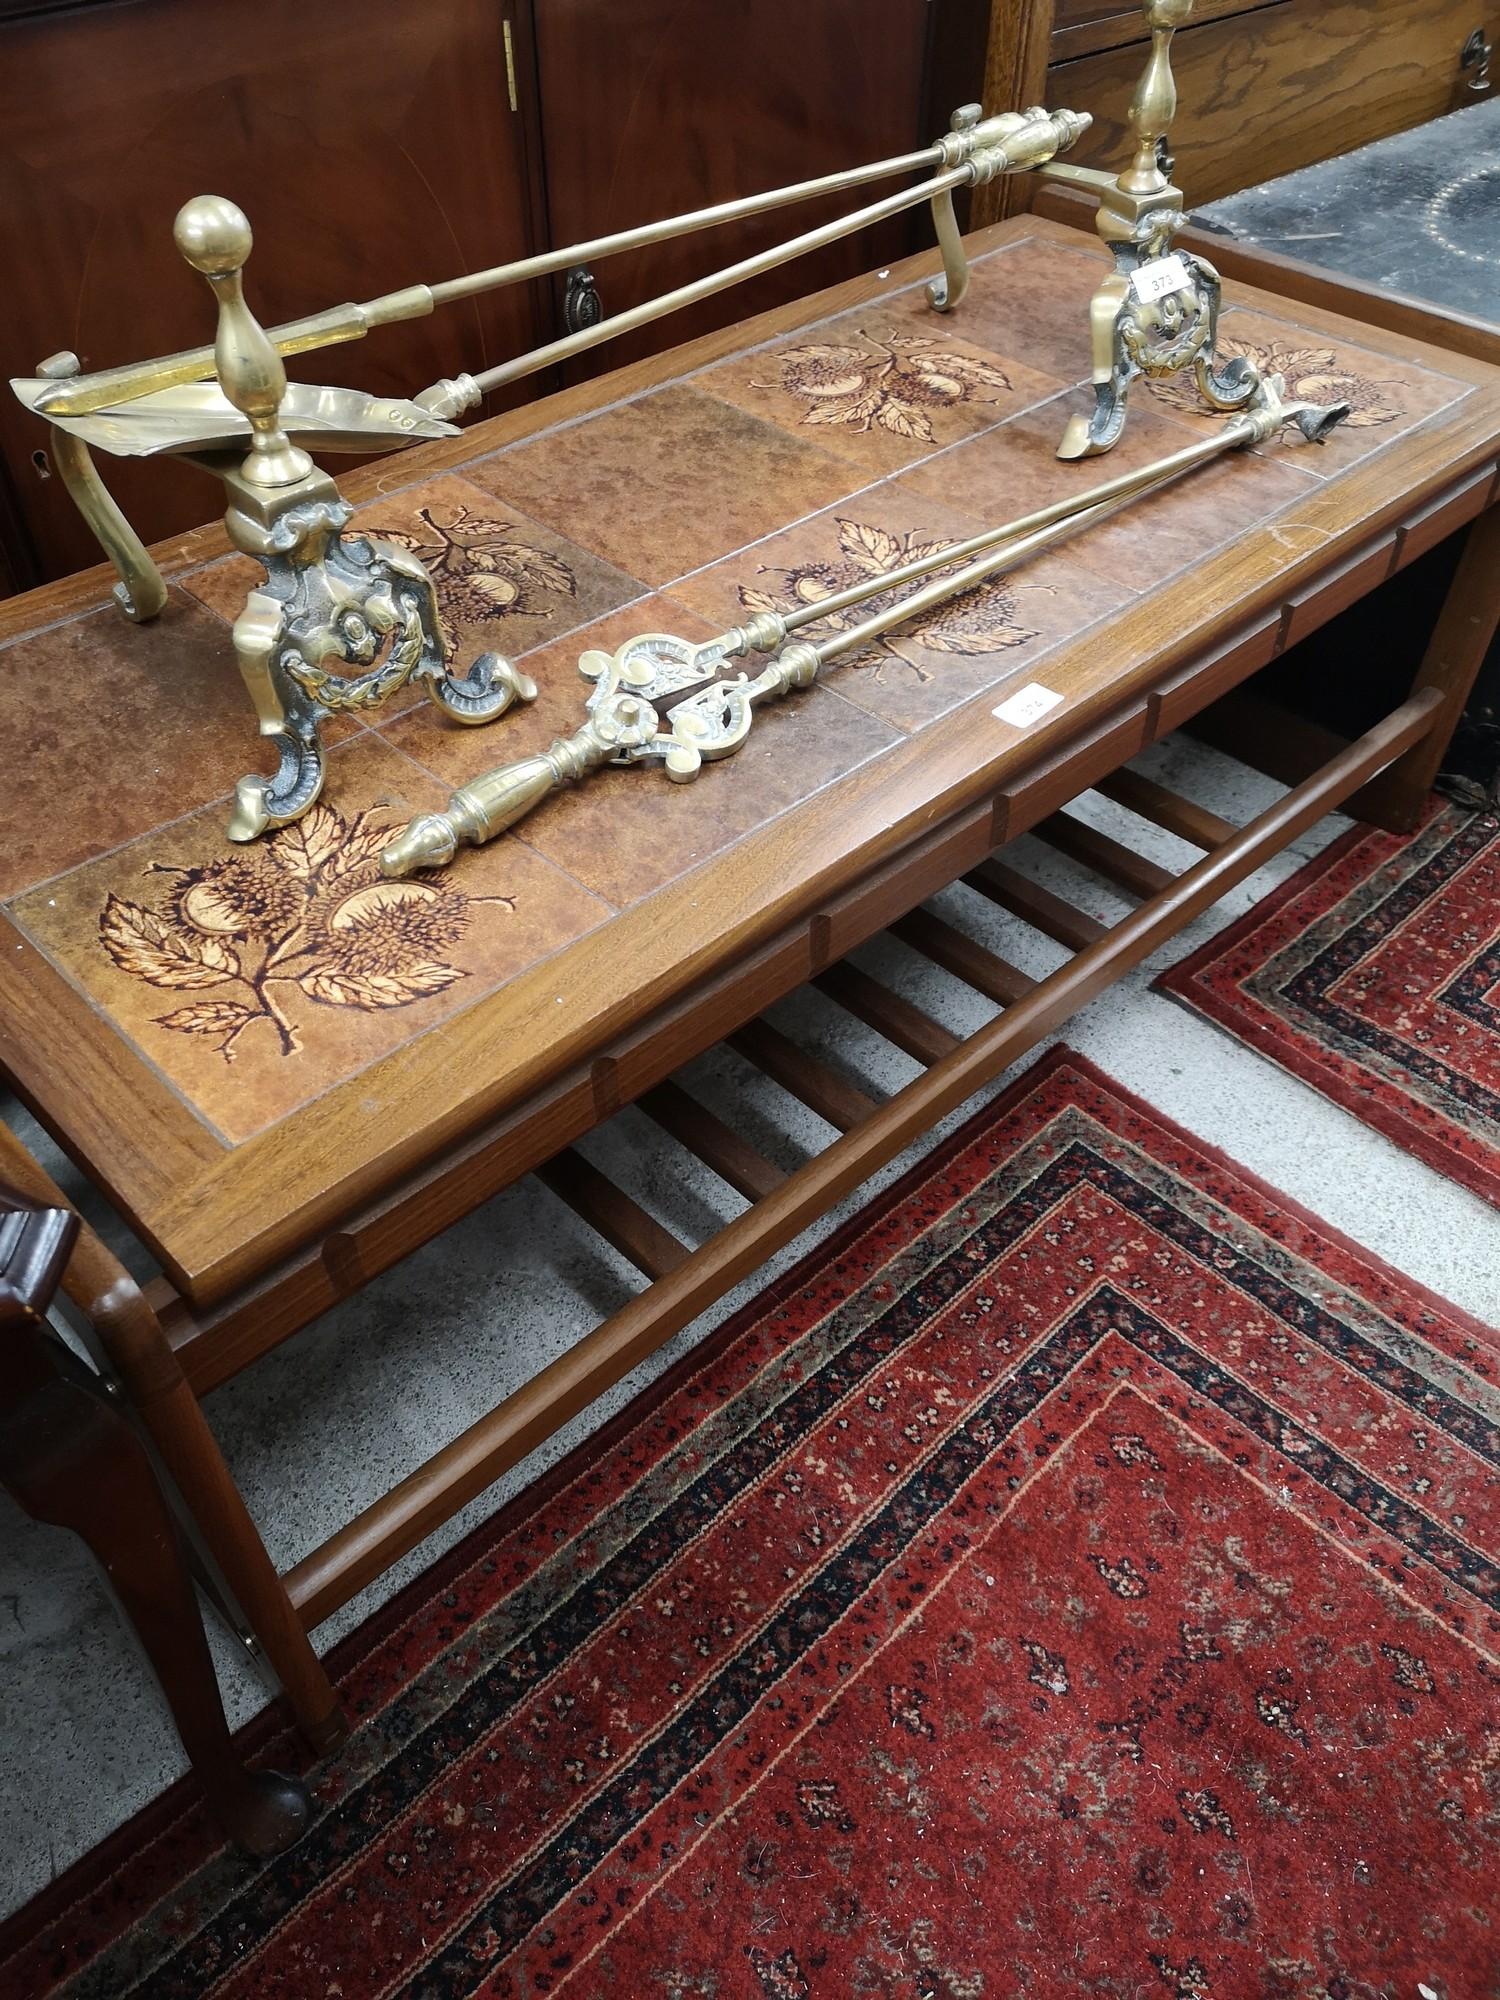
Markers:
<point>288,1074</point>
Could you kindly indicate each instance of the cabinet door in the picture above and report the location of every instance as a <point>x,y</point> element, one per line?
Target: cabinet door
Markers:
<point>651,107</point>
<point>372,144</point>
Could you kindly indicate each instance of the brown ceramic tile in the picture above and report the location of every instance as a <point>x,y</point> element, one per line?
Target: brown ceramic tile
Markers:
<point>1014,469</point>
<point>882,389</point>
<point>1030,301</point>
<point>505,583</point>
<point>626,832</point>
<point>914,674</point>
<point>1388,396</point>
<point>112,728</point>
<point>254,978</point>
<point>666,484</point>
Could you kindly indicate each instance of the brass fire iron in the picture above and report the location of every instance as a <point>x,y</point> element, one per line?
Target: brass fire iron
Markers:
<point>657,698</point>
<point>343,620</point>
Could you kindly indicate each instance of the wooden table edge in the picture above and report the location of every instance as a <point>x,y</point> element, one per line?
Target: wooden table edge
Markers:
<point>172,1205</point>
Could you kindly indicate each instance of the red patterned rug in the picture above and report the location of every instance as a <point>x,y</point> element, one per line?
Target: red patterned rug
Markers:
<point>1077,1579</point>
<point>1374,975</point>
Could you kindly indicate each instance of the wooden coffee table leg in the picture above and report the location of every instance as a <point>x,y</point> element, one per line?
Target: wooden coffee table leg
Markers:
<point>140,1354</point>
<point>1460,639</point>
<point>69,1457</point>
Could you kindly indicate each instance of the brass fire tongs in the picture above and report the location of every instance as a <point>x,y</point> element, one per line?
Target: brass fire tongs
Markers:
<point>634,684</point>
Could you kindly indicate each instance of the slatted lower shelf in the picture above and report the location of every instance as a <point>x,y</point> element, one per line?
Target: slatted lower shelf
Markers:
<point>686,1281</point>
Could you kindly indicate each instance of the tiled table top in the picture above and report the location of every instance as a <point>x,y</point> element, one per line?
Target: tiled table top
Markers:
<point>248,982</point>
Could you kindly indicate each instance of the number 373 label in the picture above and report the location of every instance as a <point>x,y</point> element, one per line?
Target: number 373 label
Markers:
<point>1161,277</point>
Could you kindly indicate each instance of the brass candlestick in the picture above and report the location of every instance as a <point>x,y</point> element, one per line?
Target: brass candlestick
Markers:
<point>1158,310</point>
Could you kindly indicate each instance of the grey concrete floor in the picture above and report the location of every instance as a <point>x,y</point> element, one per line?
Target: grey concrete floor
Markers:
<point>332,1418</point>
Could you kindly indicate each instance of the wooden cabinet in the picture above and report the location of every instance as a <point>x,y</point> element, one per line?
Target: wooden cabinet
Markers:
<point>376,143</point>
<point>1264,88</point>
<point>651,107</point>
<point>367,150</point>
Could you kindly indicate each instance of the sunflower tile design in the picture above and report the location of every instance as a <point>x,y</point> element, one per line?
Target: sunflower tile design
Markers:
<point>881,389</point>
<point>253,978</point>
<point>505,583</point>
<point>1388,396</point>
<point>915,673</point>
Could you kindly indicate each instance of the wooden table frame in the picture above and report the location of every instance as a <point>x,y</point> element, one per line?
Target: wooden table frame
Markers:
<point>920,816</point>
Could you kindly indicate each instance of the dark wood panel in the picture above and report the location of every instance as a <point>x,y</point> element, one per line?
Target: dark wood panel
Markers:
<point>370,142</point>
<point>1079,27</point>
<point>653,107</point>
<point>1261,93</point>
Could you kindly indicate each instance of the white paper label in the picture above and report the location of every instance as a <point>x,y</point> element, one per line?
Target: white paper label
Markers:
<point>1030,705</point>
<point>1162,275</point>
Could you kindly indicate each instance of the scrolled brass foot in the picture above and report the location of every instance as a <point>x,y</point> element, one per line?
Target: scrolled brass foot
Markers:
<point>491,686</point>
<point>1099,431</point>
<point>262,804</point>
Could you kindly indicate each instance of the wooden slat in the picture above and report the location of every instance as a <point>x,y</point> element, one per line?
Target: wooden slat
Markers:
<point>391,1526</point>
<point>611,1213</point>
<point>1168,809</point>
<point>887,1013</point>
<point>963,956</point>
<point>732,1158</point>
<point>1094,850</point>
<point>820,1088</point>
<point>1035,905</point>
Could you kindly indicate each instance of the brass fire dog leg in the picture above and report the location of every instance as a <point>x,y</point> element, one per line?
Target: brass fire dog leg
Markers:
<point>331,600</point>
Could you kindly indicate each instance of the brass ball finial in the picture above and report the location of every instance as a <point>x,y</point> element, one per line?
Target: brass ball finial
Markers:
<point>215,238</point>
<point>213,235</point>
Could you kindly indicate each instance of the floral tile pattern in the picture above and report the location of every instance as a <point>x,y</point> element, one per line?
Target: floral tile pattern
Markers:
<point>877,388</point>
<point>255,977</point>
<point>1015,469</point>
<point>1387,396</point>
<point>505,583</point>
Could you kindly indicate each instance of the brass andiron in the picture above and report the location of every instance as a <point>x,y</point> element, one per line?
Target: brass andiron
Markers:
<point>1158,310</point>
<point>328,596</point>
<point>628,720</point>
<point>343,620</point>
